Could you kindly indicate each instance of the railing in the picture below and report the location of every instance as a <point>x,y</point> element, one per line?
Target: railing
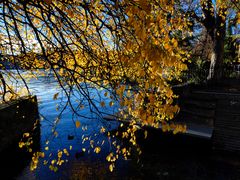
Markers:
<point>200,74</point>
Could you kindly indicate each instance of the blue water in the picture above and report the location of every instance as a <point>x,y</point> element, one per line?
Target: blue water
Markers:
<point>165,156</point>
<point>86,165</point>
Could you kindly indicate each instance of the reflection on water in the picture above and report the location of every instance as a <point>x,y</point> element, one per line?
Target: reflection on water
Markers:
<point>80,164</point>
<point>164,157</point>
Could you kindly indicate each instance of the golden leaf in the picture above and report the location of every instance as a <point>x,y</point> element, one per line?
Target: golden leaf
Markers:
<point>108,158</point>
<point>60,154</point>
<point>21,144</point>
<point>77,124</point>
<point>102,130</point>
<point>70,13</point>
<point>26,135</point>
<point>111,166</point>
<point>238,18</point>
<point>97,150</point>
<point>111,103</point>
<point>65,152</point>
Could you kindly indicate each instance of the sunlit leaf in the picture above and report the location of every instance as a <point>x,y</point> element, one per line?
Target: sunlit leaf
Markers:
<point>97,150</point>
<point>26,135</point>
<point>102,130</point>
<point>111,166</point>
<point>111,103</point>
<point>77,124</point>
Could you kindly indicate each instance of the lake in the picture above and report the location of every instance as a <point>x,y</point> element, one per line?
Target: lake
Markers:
<point>164,156</point>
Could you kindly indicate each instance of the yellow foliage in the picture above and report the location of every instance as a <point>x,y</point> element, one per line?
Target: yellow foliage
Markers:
<point>102,130</point>
<point>111,103</point>
<point>77,124</point>
<point>238,18</point>
<point>111,166</point>
<point>130,56</point>
<point>97,150</point>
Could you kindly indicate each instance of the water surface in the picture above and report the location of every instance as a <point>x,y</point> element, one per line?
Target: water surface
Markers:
<point>164,156</point>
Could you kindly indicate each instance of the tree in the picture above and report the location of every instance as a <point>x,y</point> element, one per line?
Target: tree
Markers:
<point>128,49</point>
<point>214,17</point>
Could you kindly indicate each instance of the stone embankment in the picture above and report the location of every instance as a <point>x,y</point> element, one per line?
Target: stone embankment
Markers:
<point>16,118</point>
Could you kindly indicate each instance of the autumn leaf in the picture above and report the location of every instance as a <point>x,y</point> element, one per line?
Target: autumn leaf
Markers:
<point>70,13</point>
<point>145,134</point>
<point>65,152</point>
<point>106,94</point>
<point>108,158</point>
<point>102,103</point>
<point>55,96</point>
<point>81,106</point>
<point>111,166</point>
<point>26,135</point>
<point>60,153</point>
<point>17,7</point>
<point>97,150</point>
<point>21,144</point>
<point>238,18</point>
<point>102,130</point>
<point>111,103</point>
<point>48,1</point>
<point>78,43</point>
<point>77,124</point>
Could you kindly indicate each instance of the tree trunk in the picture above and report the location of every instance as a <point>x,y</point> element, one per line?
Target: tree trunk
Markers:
<point>217,55</point>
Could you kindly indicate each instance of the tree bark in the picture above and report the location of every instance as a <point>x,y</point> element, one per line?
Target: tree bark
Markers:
<point>217,58</point>
<point>217,55</point>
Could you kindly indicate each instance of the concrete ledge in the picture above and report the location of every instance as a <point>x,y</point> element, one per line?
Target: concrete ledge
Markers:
<point>17,117</point>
